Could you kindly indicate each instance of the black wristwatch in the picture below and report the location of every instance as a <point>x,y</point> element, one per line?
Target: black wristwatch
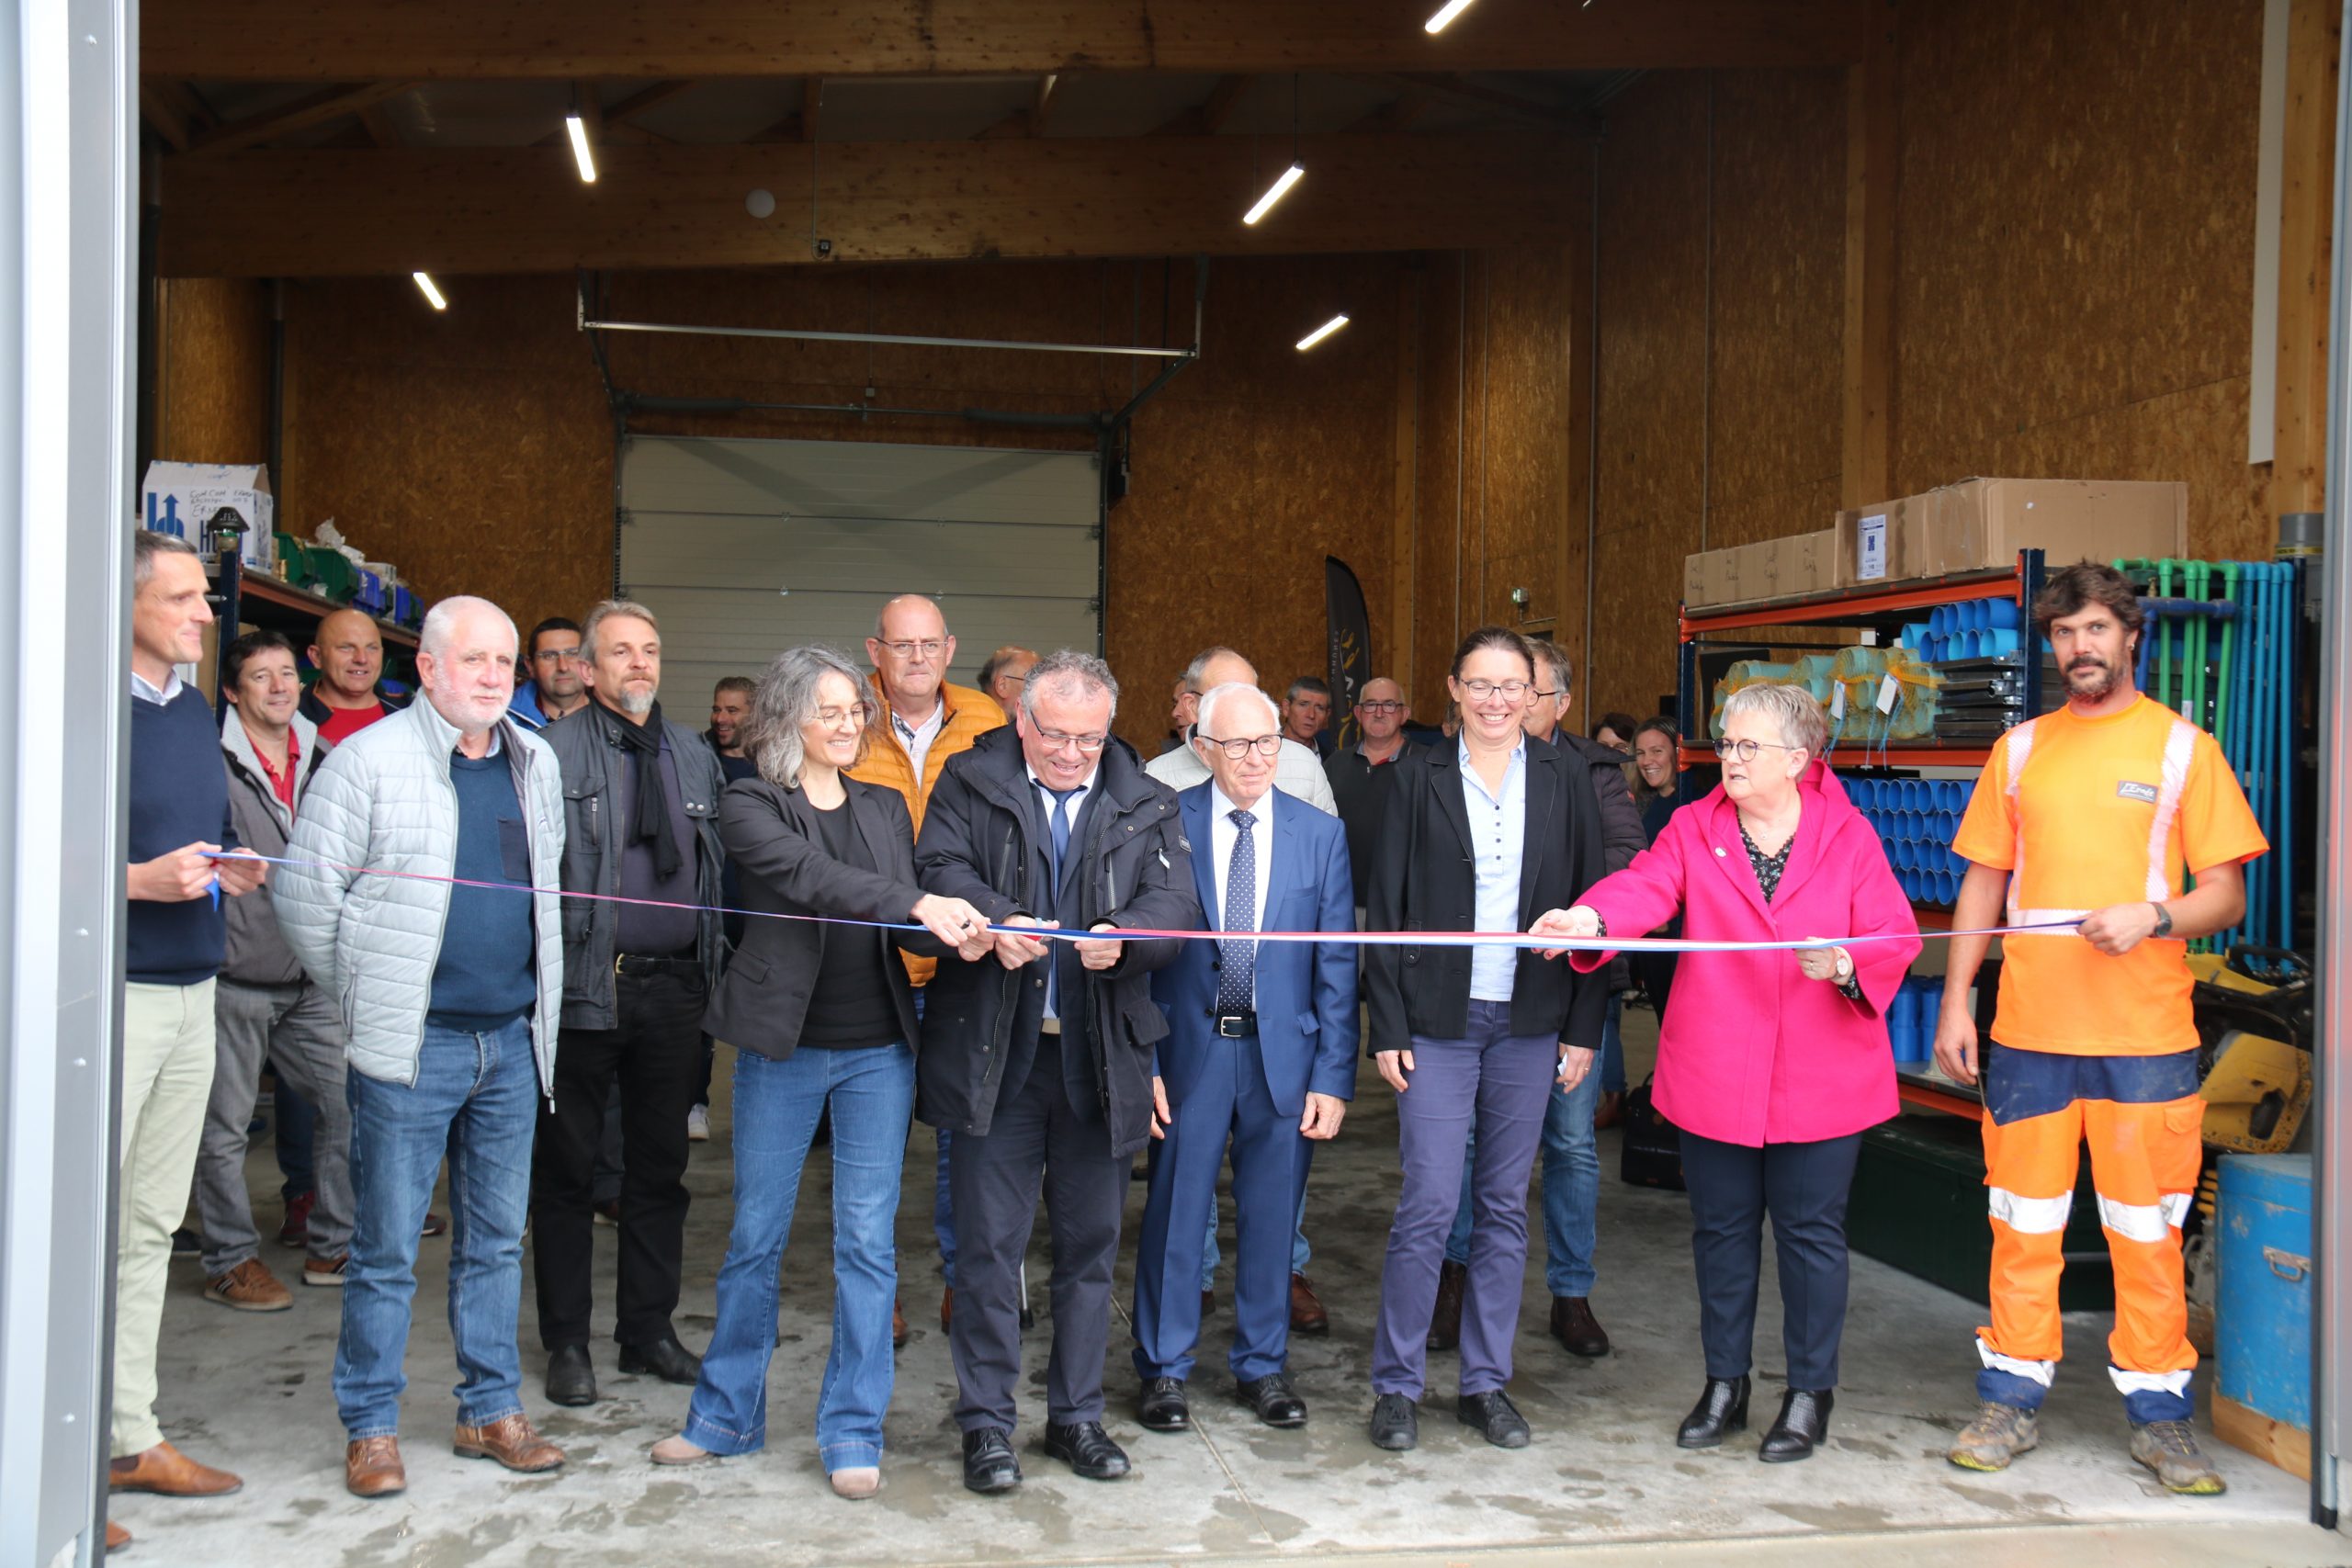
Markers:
<point>2164,919</point>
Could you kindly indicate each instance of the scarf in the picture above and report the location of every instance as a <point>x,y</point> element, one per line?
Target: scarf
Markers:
<point>643,743</point>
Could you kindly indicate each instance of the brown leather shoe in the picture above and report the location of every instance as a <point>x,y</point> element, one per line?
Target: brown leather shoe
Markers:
<point>249,1287</point>
<point>947,1307</point>
<point>117,1537</point>
<point>511,1441</point>
<point>1306,1313</point>
<point>1208,1302</point>
<point>1578,1332</point>
<point>1609,1110</point>
<point>168,1473</point>
<point>1445,1320</point>
<point>898,1326</point>
<point>372,1468</point>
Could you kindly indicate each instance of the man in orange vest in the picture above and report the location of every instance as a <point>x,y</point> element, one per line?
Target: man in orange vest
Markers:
<point>2090,815</point>
<point>925,719</point>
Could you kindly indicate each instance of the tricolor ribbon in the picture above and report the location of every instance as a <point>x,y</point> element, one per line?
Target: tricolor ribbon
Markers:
<point>1148,933</point>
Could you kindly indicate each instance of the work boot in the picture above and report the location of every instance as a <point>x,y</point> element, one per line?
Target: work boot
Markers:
<point>1445,1319</point>
<point>510,1440</point>
<point>2170,1450</point>
<point>1999,1435</point>
<point>372,1467</point>
<point>1578,1332</point>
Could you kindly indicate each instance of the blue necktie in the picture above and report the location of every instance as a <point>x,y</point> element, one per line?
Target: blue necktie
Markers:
<point>1237,983</point>
<point>1059,820</point>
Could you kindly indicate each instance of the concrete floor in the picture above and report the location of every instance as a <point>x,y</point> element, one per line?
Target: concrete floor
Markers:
<point>1603,1476</point>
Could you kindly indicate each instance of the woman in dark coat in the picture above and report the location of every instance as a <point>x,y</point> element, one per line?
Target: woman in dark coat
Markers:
<point>1486,832</point>
<point>822,1020</point>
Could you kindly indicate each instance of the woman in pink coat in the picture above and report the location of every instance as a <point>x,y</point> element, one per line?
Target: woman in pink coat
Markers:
<point>1770,1063</point>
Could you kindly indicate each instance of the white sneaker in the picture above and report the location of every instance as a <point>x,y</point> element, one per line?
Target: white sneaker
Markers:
<point>699,1124</point>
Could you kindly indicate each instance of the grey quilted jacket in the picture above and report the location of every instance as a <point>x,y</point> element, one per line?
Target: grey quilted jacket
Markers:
<point>383,800</point>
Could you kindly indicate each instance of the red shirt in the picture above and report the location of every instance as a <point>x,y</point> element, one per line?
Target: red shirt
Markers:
<point>282,785</point>
<point>342,724</point>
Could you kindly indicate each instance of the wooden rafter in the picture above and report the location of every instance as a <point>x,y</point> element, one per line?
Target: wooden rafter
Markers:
<point>311,108</point>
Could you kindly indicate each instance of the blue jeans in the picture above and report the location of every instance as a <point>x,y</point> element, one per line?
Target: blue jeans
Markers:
<point>1571,1190</point>
<point>476,1099</point>
<point>871,1094</point>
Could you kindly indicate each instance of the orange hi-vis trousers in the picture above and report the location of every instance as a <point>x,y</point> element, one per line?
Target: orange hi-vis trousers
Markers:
<point>2141,1117</point>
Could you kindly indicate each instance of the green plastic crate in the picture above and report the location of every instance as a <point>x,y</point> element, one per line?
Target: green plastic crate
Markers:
<point>1918,1204</point>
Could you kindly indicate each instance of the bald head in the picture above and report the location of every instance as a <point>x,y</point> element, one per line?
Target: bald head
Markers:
<point>1381,711</point>
<point>1215,668</point>
<point>910,650</point>
<point>348,653</point>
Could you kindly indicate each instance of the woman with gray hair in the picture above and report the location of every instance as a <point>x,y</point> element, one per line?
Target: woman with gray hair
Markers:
<point>822,1018</point>
<point>1771,1061</point>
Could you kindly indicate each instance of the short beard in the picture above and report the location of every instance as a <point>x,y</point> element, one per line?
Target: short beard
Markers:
<point>637,705</point>
<point>2109,679</point>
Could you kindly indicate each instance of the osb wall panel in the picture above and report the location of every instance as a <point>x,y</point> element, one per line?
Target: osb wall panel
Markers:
<point>213,370</point>
<point>1253,466</point>
<point>2076,249</point>
<point>1778,305</point>
<point>472,450</point>
<point>1649,413</point>
<point>1446,467</point>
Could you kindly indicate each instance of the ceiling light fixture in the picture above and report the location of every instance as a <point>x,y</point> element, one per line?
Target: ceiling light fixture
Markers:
<point>432,294</point>
<point>1320,334</point>
<point>1451,9</point>
<point>1276,192</point>
<point>580,153</point>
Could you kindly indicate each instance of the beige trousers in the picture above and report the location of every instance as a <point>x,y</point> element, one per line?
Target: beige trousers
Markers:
<point>167,1080</point>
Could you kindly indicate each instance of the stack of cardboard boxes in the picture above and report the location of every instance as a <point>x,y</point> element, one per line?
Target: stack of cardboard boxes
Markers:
<point>1975,525</point>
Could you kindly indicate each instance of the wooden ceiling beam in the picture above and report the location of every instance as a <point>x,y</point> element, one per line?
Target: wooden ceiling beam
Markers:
<point>160,110</point>
<point>1514,106</point>
<point>646,99</point>
<point>1397,113</point>
<point>380,126</point>
<point>812,102</point>
<point>519,209</point>
<point>311,108</point>
<point>301,40</point>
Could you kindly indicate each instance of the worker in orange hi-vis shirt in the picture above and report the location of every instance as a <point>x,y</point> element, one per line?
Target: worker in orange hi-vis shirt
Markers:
<point>2091,814</point>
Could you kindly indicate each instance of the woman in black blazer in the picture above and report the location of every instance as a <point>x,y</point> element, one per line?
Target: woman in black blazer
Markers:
<point>821,1018</point>
<point>1488,831</point>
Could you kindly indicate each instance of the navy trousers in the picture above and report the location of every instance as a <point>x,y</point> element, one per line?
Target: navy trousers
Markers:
<point>1804,1188</point>
<point>1225,1101</point>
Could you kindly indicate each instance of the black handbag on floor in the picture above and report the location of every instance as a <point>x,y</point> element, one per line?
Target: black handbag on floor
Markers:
<point>1651,1156</point>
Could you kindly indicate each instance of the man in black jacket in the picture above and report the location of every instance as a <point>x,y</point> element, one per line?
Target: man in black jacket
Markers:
<point>1040,1062</point>
<point>640,800</point>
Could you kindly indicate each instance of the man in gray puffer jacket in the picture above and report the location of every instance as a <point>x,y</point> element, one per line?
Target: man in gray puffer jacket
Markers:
<point>410,904</point>
<point>264,1007</point>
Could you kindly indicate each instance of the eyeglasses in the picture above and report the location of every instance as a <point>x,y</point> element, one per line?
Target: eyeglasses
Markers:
<point>909,649</point>
<point>1510,690</point>
<point>1540,692</point>
<point>1747,748</point>
<point>1380,707</point>
<point>1241,746</point>
<point>557,655</point>
<point>1088,744</point>
<point>833,718</point>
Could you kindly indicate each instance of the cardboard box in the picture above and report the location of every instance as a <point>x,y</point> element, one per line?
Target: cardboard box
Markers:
<point>1711,579</point>
<point>180,499</point>
<point>1808,563</point>
<point>1984,522</point>
<point>1884,543</point>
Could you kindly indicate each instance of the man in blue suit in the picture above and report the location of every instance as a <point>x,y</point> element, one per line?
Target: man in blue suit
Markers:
<point>1260,1051</point>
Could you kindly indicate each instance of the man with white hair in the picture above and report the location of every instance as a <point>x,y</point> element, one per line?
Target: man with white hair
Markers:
<point>1261,1053</point>
<point>452,986</point>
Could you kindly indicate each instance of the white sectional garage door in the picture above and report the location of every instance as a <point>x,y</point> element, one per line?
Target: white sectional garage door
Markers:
<point>744,548</point>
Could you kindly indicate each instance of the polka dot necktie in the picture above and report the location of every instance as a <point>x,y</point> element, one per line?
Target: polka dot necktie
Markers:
<point>1237,983</point>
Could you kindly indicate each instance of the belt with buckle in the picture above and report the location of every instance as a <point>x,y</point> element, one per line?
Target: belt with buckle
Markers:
<point>1234,1025</point>
<point>655,963</point>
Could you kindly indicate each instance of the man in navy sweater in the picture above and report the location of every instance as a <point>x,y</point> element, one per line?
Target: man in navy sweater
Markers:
<point>177,938</point>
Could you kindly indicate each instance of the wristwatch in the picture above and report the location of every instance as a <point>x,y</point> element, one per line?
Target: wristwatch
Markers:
<point>2164,919</point>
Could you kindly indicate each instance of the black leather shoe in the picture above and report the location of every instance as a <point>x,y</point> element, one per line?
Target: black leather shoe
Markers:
<point>1088,1450</point>
<point>1803,1422</point>
<point>1396,1423</point>
<point>572,1378</point>
<point>664,1359</point>
<point>1721,1408</point>
<point>989,1464</point>
<point>1163,1407</point>
<point>1497,1418</point>
<point>1275,1401</point>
